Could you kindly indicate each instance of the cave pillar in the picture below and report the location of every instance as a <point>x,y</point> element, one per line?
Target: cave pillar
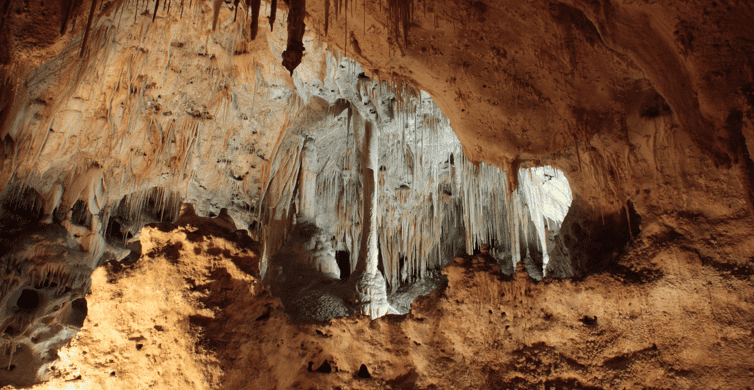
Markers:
<point>371,290</point>
<point>308,182</point>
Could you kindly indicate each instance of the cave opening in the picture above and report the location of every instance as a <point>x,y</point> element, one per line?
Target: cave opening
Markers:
<point>343,258</point>
<point>28,301</point>
<point>80,214</point>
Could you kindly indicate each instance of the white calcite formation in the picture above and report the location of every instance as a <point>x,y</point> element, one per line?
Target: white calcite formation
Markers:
<point>121,134</point>
<point>384,176</point>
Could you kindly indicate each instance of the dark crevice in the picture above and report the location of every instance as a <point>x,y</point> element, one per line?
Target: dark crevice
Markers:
<point>325,368</point>
<point>343,258</point>
<point>364,372</point>
<point>28,301</point>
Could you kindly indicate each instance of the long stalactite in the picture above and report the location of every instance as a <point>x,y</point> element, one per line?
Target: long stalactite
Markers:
<point>296,28</point>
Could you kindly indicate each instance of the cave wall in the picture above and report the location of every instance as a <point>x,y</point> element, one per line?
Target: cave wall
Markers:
<point>627,99</point>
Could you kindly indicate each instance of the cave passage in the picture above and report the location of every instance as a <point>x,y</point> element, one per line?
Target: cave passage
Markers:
<point>344,264</point>
<point>28,301</point>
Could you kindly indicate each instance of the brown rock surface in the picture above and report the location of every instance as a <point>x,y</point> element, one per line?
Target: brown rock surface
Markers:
<point>645,106</point>
<point>671,318</point>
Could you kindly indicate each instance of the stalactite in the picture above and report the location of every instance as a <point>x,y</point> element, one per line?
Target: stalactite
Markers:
<point>273,12</point>
<point>157,4</point>
<point>444,205</point>
<point>400,19</point>
<point>66,16</point>
<point>216,13</point>
<point>296,28</point>
<point>255,6</point>
<point>88,27</point>
<point>327,15</point>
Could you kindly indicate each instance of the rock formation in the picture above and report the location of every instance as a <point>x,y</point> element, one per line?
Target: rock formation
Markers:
<point>353,149</point>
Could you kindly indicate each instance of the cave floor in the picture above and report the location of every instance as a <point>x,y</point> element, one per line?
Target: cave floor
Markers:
<point>190,315</point>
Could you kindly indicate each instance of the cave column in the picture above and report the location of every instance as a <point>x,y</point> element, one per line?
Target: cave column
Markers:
<point>308,182</point>
<point>371,290</point>
<point>371,165</point>
<point>321,253</point>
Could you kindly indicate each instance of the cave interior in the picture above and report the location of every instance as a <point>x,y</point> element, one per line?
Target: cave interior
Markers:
<point>413,194</point>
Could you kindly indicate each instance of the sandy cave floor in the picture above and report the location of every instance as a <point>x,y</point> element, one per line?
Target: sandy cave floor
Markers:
<point>190,315</point>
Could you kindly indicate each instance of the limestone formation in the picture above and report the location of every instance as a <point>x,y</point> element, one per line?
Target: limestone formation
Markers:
<point>319,164</point>
<point>45,277</point>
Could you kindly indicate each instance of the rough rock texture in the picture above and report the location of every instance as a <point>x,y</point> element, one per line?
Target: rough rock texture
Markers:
<point>190,314</point>
<point>114,113</point>
<point>44,279</point>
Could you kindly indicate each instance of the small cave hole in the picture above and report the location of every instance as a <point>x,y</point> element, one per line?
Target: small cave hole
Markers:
<point>634,219</point>
<point>139,346</point>
<point>28,301</point>
<point>654,106</point>
<point>364,372</point>
<point>80,214</point>
<point>79,310</point>
<point>325,368</point>
<point>343,258</point>
<point>589,321</point>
